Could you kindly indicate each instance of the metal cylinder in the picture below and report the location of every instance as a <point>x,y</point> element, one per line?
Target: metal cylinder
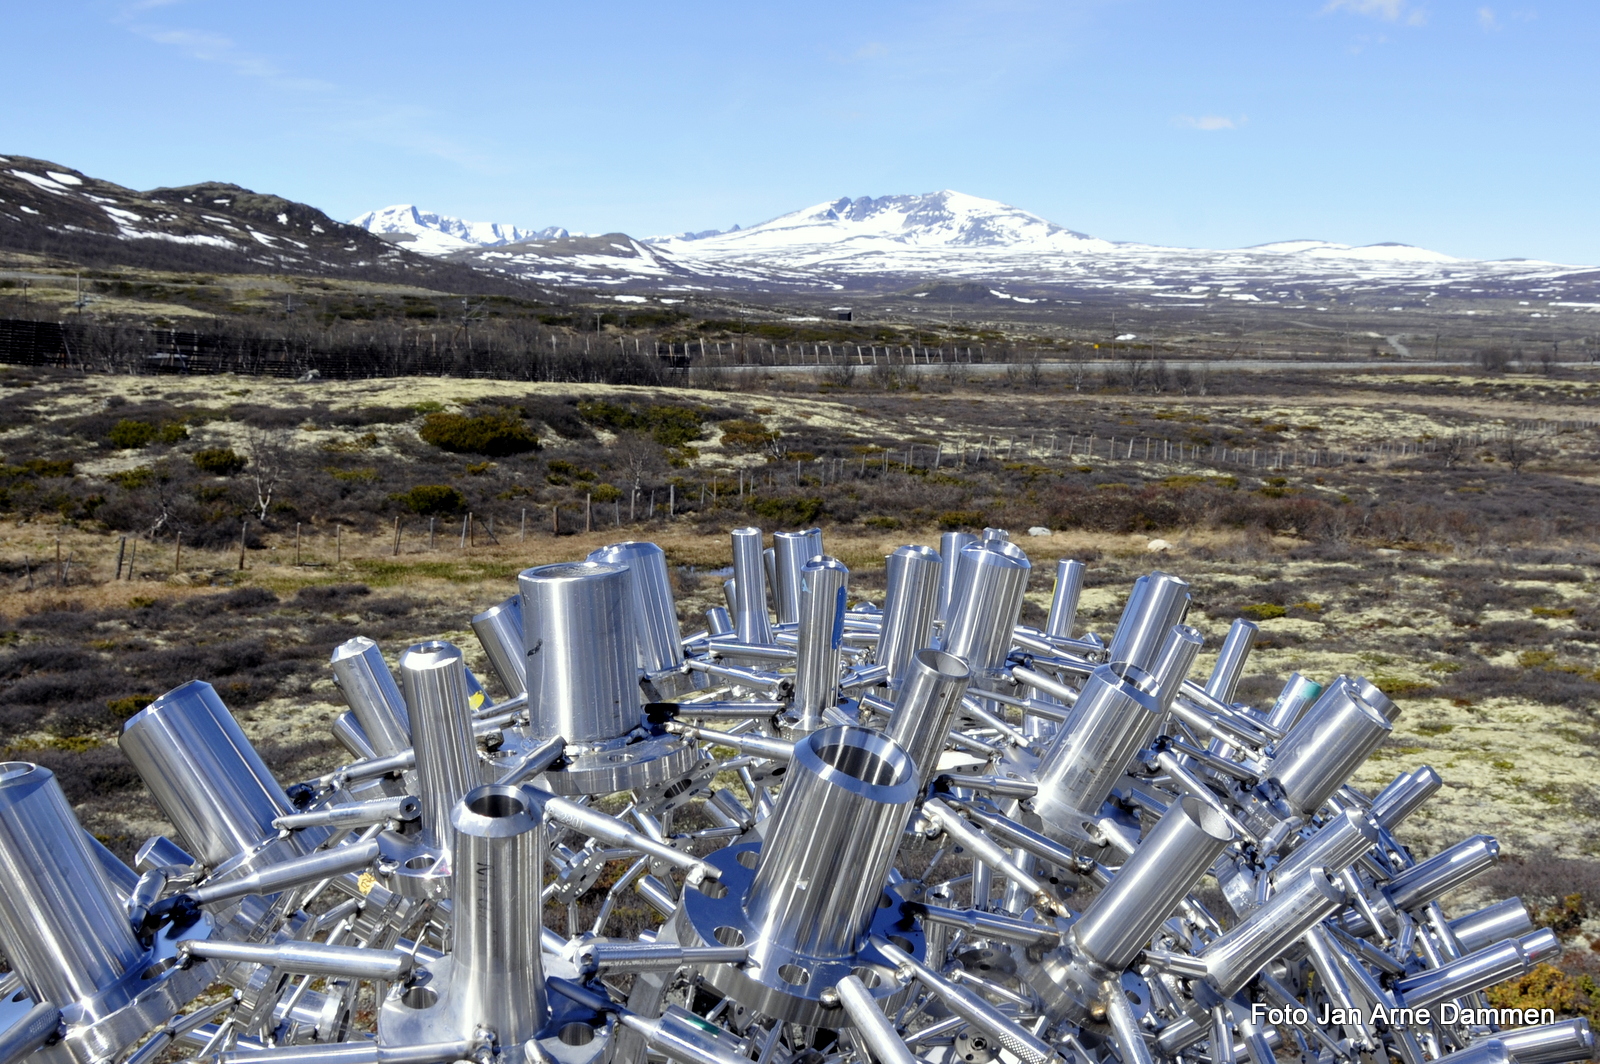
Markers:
<point>926,706</point>
<point>823,587</point>
<point>832,842</point>
<point>719,621</point>
<point>1224,681</point>
<point>1369,693</point>
<point>1404,795</point>
<point>1428,880</point>
<point>749,607</point>
<point>1173,663</point>
<point>1550,1043</point>
<point>1296,695</point>
<point>203,772</point>
<point>790,553</point>
<point>61,923</point>
<point>1234,959</point>
<point>1334,736</point>
<point>1476,970</point>
<point>1165,867</point>
<point>363,677</point>
<point>348,731</point>
<point>910,601</point>
<point>1103,730</point>
<point>1334,846</point>
<point>1158,601</point>
<point>650,602</point>
<point>499,631</point>
<point>1503,919</point>
<point>951,545</point>
<point>1064,600</point>
<point>494,918</point>
<point>434,679</point>
<point>582,667</point>
<point>992,579</point>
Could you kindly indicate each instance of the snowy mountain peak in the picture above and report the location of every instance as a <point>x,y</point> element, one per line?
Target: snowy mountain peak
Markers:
<point>440,234</point>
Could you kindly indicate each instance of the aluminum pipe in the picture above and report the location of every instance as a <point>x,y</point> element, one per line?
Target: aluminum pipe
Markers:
<point>582,666</point>
<point>433,677</point>
<point>203,773</point>
<point>992,579</point>
<point>1234,959</point>
<point>1296,695</point>
<point>1551,1043</point>
<point>824,585</point>
<point>1224,681</point>
<point>1165,867</point>
<point>1172,665</point>
<point>363,677</point>
<point>39,1025</point>
<point>1368,692</point>
<point>749,605</point>
<point>309,958</point>
<point>925,707</point>
<point>1404,795</point>
<point>499,632</point>
<point>910,601</point>
<point>297,871</point>
<point>352,736</point>
<point>650,603</point>
<point>1064,600</point>
<point>61,923</point>
<point>497,969</point>
<point>1334,846</point>
<point>790,553</point>
<point>1105,728</point>
<point>951,545</point>
<point>1334,736</point>
<point>1437,876</point>
<point>833,839</point>
<point>1476,970</point>
<point>882,1040</point>
<point>1502,920</point>
<point>1158,601</point>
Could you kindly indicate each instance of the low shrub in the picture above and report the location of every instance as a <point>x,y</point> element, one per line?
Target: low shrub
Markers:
<point>131,435</point>
<point>432,499</point>
<point>219,461</point>
<point>497,434</point>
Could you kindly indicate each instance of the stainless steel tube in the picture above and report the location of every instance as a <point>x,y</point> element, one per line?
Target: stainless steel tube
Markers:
<point>832,842</point>
<point>294,872</point>
<point>1334,846</point>
<point>1224,681</point>
<point>1503,919</point>
<point>352,736</point>
<point>61,923</point>
<point>1404,795</point>
<point>38,1026</point>
<point>992,579</point>
<point>1550,1043</point>
<point>1234,959</point>
<point>495,912</point>
<point>926,706</point>
<point>749,607</point>
<point>354,815</point>
<point>499,632</point>
<point>363,677</point>
<point>1158,601</point>
<point>1369,693</point>
<point>1296,695</point>
<point>1165,867</point>
<point>203,772</point>
<point>1104,729</point>
<point>1428,880</point>
<point>824,584</point>
<point>790,553</point>
<point>1172,665</point>
<point>1064,600</point>
<point>582,666</point>
<point>883,1041</point>
<point>1476,970</point>
<point>951,545</point>
<point>311,958</point>
<point>1334,736</point>
<point>910,601</point>
<point>655,614</point>
<point>434,679</point>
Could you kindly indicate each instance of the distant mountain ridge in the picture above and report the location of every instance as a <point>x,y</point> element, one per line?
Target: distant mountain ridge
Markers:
<point>429,233</point>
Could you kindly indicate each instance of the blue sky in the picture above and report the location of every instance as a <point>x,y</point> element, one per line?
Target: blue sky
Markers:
<point>1472,128</point>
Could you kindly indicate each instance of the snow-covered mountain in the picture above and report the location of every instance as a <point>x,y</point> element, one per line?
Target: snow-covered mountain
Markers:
<point>439,234</point>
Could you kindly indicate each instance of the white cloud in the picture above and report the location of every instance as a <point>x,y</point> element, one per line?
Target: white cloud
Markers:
<point>1386,10</point>
<point>1210,123</point>
<point>1487,20</point>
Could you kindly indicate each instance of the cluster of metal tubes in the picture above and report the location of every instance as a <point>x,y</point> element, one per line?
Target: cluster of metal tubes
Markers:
<point>870,834</point>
